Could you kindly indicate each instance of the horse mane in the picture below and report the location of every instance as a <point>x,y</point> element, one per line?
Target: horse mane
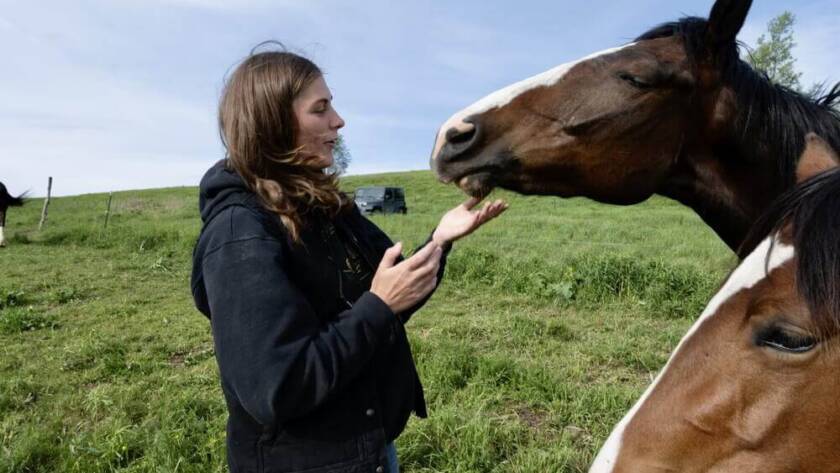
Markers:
<point>7,200</point>
<point>772,119</point>
<point>812,208</point>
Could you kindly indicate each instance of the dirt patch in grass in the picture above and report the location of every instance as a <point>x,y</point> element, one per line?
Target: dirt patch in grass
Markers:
<point>530,417</point>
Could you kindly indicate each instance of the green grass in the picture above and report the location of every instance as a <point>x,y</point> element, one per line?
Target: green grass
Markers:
<point>549,324</point>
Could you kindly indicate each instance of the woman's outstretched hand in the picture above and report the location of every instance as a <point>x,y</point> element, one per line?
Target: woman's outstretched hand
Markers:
<point>462,220</point>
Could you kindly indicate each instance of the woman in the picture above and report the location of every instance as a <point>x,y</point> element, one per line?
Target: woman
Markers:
<point>306,297</point>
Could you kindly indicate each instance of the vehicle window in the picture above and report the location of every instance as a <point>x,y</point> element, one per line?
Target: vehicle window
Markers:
<point>369,193</point>
<point>388,194</point>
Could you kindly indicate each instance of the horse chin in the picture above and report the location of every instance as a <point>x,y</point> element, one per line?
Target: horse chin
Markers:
<point>477,185</point>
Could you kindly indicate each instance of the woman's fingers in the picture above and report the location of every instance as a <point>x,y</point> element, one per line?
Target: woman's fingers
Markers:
<point>421,275</point>
<point>490,211</point>
<point>496,208</point>
<point>431,286</point>
<point>406,283</point>
<point>391,255</point>
<point>431,267</point>
<point>487,211</point>
<point>432,264</point>
<point>418,259</point>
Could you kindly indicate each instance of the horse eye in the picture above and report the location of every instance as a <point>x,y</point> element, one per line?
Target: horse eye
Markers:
<point>635,81</point>
<point>779,338</point>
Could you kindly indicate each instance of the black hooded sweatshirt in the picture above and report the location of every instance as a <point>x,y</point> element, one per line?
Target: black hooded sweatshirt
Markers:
<point>317,377</point>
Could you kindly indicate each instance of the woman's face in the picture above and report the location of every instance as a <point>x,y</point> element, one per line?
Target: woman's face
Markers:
<point>318,122</point>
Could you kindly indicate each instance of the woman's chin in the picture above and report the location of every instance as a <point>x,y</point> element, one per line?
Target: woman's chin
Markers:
<point>328,159</point>
<point>322,162</point>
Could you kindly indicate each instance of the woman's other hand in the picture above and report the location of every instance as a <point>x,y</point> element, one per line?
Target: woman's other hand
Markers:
<point>462,220</point>
<point>402,285</point>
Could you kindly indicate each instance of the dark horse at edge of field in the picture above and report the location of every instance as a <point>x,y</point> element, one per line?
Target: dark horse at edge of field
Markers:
<point>675,113</point>
<point>6,201</point>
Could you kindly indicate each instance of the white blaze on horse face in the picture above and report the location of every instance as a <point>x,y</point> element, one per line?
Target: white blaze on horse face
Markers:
<point>504,96</point>
<point>747,274</point>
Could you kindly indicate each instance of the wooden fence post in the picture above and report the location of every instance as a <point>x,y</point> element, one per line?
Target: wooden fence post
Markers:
<point>46,204</point>
<point>108,212</point>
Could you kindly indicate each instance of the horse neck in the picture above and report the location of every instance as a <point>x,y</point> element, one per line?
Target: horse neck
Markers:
<point>730,181</point>
<point>727,192</point>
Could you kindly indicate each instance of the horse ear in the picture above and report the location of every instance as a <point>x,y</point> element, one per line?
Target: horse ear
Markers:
<point>725,21</point>
<point>818,157</point>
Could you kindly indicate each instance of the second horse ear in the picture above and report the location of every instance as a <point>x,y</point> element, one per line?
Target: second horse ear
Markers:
<point>817,158</point>
<point>725,21</point>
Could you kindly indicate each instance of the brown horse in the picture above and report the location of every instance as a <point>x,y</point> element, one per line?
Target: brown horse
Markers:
<point>675,113</point>
<point>754,384</point>
<point>7,201</point>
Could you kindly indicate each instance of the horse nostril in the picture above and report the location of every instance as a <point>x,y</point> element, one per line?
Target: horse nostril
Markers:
<point>460,134</point>
<point>458,140</point>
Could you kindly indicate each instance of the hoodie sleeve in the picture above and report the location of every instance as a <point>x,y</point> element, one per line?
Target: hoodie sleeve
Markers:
<point>279,359</point>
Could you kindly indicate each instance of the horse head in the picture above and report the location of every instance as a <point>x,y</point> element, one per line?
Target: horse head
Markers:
<point>753,385</point>
<point>668,113</point>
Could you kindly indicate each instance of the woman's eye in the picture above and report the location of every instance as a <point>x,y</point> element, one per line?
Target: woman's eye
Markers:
<point>635,81</point>
<point>782,339</point>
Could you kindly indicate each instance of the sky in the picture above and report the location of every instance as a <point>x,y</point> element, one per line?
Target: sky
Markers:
<point>122,94</point>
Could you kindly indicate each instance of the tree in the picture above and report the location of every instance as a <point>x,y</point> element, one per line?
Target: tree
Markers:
<point>341,156</point>
<point>774,55</point>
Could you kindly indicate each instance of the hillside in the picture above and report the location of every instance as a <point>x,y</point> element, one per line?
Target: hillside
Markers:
<point>549,323</point>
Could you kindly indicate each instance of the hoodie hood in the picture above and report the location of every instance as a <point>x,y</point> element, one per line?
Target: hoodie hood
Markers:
<point>220,188</point>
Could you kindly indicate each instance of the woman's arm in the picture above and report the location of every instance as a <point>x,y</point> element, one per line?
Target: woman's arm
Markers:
<point>272,349</point>
<point>454,225</point>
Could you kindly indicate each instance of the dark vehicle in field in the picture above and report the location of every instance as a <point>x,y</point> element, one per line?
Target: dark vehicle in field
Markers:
<point>381,199</point>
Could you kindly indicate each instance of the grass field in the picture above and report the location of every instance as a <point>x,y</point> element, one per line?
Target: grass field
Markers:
<point>549,324</point>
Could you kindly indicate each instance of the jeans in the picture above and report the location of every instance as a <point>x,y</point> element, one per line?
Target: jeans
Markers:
<point>393,465</point>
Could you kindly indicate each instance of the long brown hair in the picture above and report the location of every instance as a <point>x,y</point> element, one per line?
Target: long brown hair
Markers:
<point>258,128</point>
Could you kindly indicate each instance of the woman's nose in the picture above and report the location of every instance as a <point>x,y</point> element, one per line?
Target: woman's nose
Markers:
<point>338,122</point>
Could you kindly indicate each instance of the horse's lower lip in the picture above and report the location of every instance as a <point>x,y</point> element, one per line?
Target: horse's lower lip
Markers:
<point>477,184</point>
